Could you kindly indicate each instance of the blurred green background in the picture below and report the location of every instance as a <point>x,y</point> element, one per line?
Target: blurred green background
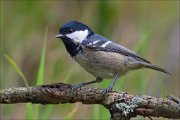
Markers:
<point>150,28</point>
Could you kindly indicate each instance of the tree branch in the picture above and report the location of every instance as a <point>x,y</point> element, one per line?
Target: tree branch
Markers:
<point>121,105</point>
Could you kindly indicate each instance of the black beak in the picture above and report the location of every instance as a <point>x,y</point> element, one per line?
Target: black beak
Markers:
<point>58,36</point>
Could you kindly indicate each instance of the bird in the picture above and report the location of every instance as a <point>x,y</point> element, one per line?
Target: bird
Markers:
<point>100,56</point>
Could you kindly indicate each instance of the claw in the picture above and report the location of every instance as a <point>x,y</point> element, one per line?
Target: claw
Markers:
<point>107,90</point>
<point>98,80</point>
<point>77,86</point>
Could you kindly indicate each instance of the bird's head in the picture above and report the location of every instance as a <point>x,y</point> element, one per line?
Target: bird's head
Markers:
<point>75,31</point>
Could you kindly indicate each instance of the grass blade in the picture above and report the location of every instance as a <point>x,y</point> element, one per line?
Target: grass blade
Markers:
<point>163,90</point>
<point>70,114</point>
<point>29,108</point>
<point>17,69</point>
<point>142,48</point>
<point>1,42</point>
<point>40,75</point>
<point>47,112</point>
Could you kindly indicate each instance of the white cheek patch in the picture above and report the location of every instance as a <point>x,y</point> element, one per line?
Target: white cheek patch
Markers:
<point>106,43</point>
<point>78,36</point>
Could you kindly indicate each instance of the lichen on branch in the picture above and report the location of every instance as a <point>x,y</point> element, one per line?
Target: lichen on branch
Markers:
<point>121,105</point>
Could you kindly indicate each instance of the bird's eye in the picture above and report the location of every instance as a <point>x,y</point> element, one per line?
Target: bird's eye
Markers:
<point>70,30</point>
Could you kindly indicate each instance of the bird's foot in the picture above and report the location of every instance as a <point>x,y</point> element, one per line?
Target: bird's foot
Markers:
<point>107,90</point>
<point>78,85</point>
<point>111,85</point>
<point>98,80</point>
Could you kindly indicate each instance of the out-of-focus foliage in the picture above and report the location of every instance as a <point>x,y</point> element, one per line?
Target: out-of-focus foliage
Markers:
<point>150,28</point>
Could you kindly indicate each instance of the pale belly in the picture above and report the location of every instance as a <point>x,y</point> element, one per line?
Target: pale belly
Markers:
<point>102,64</point>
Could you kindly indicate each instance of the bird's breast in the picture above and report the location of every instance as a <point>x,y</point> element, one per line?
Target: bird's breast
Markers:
<point>102,64</point>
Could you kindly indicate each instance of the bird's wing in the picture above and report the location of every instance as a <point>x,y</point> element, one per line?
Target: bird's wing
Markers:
<point>100,43</point>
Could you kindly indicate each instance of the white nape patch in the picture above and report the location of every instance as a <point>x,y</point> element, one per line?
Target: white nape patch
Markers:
<point>106,43</point>
<point>78,36</point>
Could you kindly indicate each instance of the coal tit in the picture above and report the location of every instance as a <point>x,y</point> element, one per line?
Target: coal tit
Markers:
<point>98,55</point>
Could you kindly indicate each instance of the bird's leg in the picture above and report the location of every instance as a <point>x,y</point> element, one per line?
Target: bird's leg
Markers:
<point>111,85</point>
<point>78,48</point>
<point>98,80</point>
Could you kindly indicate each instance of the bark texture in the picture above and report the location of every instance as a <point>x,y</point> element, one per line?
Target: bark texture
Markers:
<point>122,106</point>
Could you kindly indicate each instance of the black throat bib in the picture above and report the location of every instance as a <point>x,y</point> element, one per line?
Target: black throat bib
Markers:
<point>71,47</point>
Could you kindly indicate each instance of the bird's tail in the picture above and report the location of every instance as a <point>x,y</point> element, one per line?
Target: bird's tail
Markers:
<point>154,67</point>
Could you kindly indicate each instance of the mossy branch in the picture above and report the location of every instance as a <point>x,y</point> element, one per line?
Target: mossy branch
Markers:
<point>121,105</point>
